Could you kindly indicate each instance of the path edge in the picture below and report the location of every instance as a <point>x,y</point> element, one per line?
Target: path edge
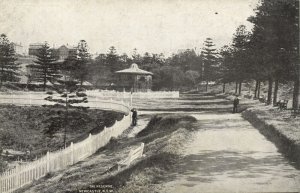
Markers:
<point>285,145</point>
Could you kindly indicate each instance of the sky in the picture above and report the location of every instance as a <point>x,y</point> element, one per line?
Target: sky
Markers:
<point>154,26</point>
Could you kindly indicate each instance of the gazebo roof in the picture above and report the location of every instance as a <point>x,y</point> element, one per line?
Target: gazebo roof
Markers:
<point>134,69</point>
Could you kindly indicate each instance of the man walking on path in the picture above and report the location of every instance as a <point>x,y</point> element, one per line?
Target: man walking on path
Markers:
<point>235,104</point>
<point>134,117</point>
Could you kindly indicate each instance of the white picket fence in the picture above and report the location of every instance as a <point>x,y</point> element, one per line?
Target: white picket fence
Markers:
<point>53,161</point>
<point>133,154</point>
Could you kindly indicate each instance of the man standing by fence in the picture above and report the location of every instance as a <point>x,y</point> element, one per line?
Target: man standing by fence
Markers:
<point>235,104</point>
<point>134,117</point>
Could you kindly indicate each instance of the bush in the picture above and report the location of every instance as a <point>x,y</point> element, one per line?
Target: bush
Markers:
<point>166,123</point>
<point>49,92</point>
<point>81,94</point>
<point>12,86</point>
<point>3,165</point>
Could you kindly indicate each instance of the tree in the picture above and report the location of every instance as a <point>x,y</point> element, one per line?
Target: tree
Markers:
<point>158,59</point>
<point>186,60</point>
<point>210,61</point>
<point>8,65</point>
<point>227,69</point>
<point>136,57</point>
<point>168,77</point>
<point>112,59</point>
<point>45,68</point>
<point>192,76</point>
<point>78,63</point>
<point>124,60</point>
<point>67,94</point>
<point>275,35</point>
<point>240,55</point>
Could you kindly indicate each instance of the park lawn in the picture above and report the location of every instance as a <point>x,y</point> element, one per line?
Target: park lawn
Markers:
<point>23,128</point>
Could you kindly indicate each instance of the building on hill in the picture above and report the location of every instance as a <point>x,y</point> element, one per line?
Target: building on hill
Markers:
<point>134,79</point>
<point>64,52</point>
<point>19,49</point>
<point>60,53</point>
<point>33,49</point>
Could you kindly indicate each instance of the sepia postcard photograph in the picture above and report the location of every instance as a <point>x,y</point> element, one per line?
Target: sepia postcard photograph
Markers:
<point>149,96</point>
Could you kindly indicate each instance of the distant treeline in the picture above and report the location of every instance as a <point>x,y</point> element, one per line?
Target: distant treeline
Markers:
<point>267,53</point>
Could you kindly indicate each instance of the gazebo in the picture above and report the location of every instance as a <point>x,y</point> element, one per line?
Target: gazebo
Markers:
<point>134,79</point>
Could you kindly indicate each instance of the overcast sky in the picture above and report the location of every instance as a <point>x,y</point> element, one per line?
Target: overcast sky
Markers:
<point>148,25</point>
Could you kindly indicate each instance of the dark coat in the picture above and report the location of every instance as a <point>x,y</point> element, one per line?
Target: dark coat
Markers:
<point>235,101</point>
<point>134,113</point>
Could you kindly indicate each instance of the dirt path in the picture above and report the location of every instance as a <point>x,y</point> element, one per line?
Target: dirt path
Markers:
<point>227,154</point>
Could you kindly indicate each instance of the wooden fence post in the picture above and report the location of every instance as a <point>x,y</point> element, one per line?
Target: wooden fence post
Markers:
<point>48,161</point>
<point>90,144</point>
<point>17,184</point>
<point>142,149</point>
<point>72,153</point>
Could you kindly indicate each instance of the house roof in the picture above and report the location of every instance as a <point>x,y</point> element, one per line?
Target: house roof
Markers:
<point>36,46</point>
<point>68,46</point>
<point>134,69</point>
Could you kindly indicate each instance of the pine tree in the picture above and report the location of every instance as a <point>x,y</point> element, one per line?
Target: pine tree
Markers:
<point>136,57</point>
<point>78,63</point>
<point>45,68</point>
<point>83,60</point>
<point>112,60</point>
<point>210,61</point>
<point>227,70</point>
<point>68,94</point>
<point>240,55</point>
<point>8,66</point>
<point>276,36</point>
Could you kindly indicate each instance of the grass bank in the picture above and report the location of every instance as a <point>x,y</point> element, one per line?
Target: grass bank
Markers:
<point>163,137</point>
<point>279,127</point>
<point>25,128</point>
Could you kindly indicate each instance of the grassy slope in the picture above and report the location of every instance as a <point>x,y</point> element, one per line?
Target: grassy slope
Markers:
<point>285,91</point>
<point>22,128</point>
<point>163,137</point>
<point>284,122</point>
<point>278,126</point>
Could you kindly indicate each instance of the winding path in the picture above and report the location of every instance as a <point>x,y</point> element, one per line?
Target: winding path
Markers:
<point>226,154</point>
